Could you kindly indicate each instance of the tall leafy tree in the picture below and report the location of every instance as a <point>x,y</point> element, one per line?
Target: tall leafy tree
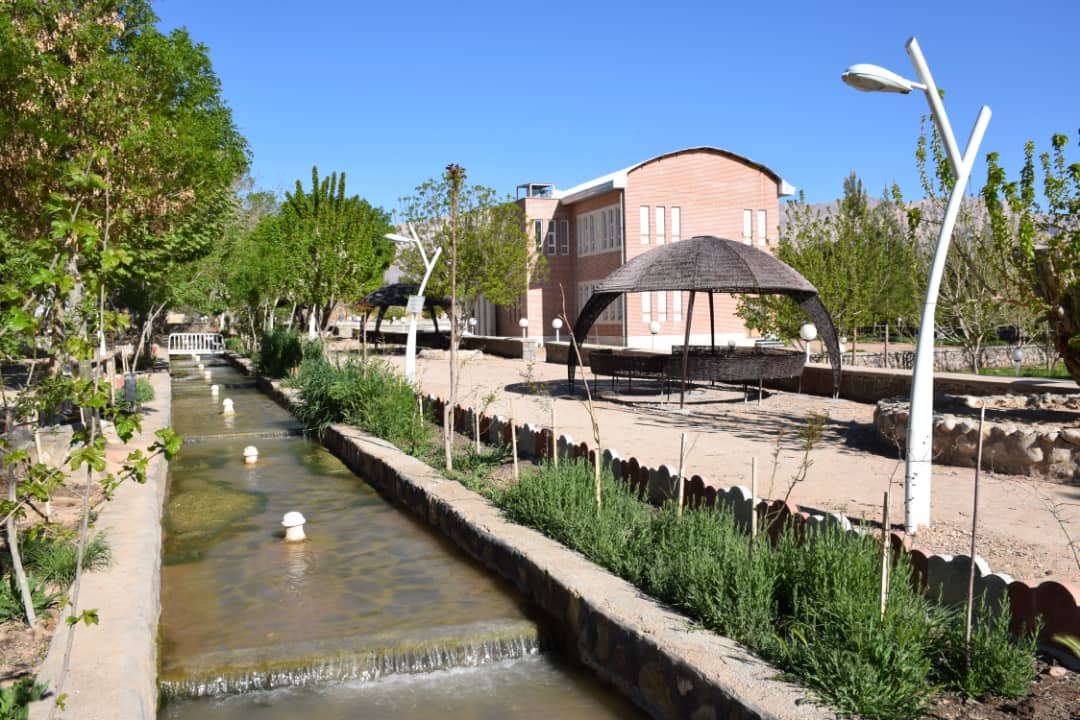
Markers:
<point>1039,244</point>
<point>487,247</point>
<point>338,246</point>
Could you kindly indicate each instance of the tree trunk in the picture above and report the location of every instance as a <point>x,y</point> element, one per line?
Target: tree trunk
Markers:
<point>13,548</point>
<point>885,355</point>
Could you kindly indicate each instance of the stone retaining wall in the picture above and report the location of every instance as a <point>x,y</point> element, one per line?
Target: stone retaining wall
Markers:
<point>1058,603</point>
<point>650,653</point>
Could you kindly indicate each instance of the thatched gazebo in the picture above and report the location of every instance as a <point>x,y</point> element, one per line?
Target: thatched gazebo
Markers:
<point>397,295</point>
<point>711,265</point>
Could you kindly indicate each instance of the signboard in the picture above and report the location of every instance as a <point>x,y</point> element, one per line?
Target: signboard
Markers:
<point>415,304</point>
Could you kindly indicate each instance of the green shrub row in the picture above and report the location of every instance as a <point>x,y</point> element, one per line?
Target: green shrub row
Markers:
<point>281,350</point>
<point>809,605</point>
<point>365,393</point>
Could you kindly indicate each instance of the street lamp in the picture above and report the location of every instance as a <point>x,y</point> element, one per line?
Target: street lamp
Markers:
<point>808,332</point>
<point>921,413</point>
<point>523,323</point>
<point>1018,359</point>
<point>415,304</point>
<point>654,327</point>
<point>472,326</point>
<point>557,325</point>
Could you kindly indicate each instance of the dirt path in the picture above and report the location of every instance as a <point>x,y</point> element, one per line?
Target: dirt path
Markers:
<point>850,467</point>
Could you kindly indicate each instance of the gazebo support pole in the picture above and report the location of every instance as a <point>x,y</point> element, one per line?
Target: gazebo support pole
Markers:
<point>435,318</point>
<point>712,322</point>
<point>686,348</point>
<point>379,317</point>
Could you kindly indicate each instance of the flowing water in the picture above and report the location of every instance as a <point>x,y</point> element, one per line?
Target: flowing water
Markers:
<point>372,616</point>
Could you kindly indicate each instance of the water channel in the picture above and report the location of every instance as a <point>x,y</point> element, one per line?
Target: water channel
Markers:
<point>373,616</point>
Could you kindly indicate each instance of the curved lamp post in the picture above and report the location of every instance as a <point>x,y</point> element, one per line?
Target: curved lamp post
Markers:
<point>557,325</point>
<point>416,302</point>
<point>917,474</point>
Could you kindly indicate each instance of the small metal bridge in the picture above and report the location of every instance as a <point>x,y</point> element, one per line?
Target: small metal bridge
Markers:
<point>196,344</point>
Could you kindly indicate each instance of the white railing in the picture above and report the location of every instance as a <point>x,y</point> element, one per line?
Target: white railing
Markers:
<point>197,343</point>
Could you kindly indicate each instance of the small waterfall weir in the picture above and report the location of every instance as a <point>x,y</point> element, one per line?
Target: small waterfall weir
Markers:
<point>371,615</point>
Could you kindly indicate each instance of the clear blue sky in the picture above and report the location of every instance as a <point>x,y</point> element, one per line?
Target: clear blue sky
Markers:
<point>390,92</point>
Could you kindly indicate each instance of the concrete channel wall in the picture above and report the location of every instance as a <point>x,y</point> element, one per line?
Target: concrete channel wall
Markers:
<point>650,653</point>
<point>113,669</point>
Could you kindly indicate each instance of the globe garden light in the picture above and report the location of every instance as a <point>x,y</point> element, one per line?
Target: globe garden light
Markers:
<point>808,333</point>
<point>1018,359</point>
<point>523,323</point>
<point>654,328</point>
<point>917,478</point>
<point>557,325</point>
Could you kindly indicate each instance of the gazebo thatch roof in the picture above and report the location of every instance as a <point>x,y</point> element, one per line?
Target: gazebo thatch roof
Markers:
<point>397,294</point>
<point>709,264</point>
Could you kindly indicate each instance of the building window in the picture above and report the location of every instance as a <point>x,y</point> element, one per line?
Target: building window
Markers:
<point>600,231</point>
<point>676,224</point>
<point>676,303</point>
<point>643,219</point>
<point>564,237</point>
<point>538,232</point>
<point>660,225</point>
<point>661,306</point>
<point>747,225</point>
<point>552,244</point>
<point>646,307</point>
<point>613,313</point>
<point>762,226</point>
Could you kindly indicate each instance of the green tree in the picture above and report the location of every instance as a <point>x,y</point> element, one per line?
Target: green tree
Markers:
<point>1039,245</point>
<point>338,246</point>
<point>489,253</point>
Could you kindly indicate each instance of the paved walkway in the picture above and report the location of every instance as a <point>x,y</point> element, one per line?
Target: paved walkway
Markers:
<point>849,472</point>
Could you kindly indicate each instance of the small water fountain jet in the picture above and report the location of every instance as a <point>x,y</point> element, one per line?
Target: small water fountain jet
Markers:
<point>294,527</point>
<point>251,455</point>
<point>214,389</point>
<point>206,375</point>
<point>227,407</point>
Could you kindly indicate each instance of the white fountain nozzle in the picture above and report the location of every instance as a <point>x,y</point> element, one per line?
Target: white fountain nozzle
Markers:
<point>251,454</point>
<point>227,407</point>
<point>294,526</point>
<point>206,374</point>
<point>214,389</point>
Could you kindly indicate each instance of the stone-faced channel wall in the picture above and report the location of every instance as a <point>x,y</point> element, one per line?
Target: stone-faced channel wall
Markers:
<point>649,652</point>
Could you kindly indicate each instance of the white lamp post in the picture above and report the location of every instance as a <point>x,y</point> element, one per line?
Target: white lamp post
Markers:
<point>416,302</point>
<point>654,328</point>
<point>808,332</point>
<point>523,323</point>
<point>1018,359</point>
<point>921,412</point>
<point>472,326</point>
<point>557,325</point>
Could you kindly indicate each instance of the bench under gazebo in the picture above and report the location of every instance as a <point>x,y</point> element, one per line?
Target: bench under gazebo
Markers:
<point>708,265</point>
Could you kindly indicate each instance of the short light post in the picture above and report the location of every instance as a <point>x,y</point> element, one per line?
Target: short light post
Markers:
<point>472,326</point>
<point>415,304</point>
<point>1018,359</point>
<point>808,333</point>
<point>921,413</point>
<point>654,328</point>
<point>556,324</point>
<point>523,323</point>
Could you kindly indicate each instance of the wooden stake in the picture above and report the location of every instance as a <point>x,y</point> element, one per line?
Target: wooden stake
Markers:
<point>476,429</point>
<point>513,446</point>
<point>885,548</point>
<point>554,437</point>
<point>420,402</point>
<point>974,523</point>
<point>679,479</point>
<point>753,503</point>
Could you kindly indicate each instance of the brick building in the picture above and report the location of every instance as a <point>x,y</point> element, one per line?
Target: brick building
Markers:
<point>588,230</point>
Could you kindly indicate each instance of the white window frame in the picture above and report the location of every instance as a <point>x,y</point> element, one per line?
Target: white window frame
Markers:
<point>747,225</point>
<point>643,224</point>
<point>538,233</point>
<point>564,238</point>
<point>646,307</point>
<point>762,226</point>
<point>660,231</point>
<point>552,242</point>
<point>613,313</point>
<point>676,303</point>
<point>661,306</point>
<point>600,231</point>
<point>676,224</point>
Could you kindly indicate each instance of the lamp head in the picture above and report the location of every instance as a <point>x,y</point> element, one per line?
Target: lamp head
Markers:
<point>654,327</point>
<point>523,323</point>
<point>808,332</point>
<point>556,323</point>
<point>872,78</point>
